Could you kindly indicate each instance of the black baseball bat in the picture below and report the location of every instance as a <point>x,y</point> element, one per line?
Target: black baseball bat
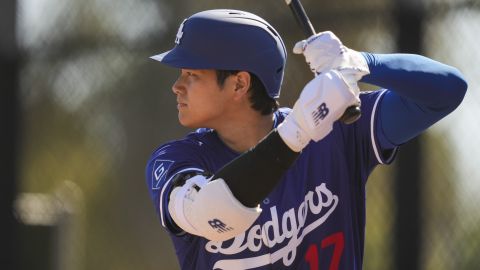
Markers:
<point>353,112</point>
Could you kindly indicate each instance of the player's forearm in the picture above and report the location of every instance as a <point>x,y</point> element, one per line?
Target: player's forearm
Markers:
<point>427,82</point>
<point>254,174</point>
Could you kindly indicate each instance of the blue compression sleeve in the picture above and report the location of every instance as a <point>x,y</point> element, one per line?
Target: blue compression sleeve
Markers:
<point>420,92</point>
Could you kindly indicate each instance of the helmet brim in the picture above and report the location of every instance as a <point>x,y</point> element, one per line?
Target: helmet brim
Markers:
<point>181,58</point>
<point>159,57</point>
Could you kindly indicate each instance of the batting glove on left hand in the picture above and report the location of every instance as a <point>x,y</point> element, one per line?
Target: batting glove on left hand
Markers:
<point>324,51</point>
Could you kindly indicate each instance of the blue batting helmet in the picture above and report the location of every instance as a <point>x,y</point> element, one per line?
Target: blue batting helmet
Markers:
<point>229,40</point>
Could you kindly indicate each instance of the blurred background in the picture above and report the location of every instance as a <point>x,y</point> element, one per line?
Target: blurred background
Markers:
<point>82,108</point>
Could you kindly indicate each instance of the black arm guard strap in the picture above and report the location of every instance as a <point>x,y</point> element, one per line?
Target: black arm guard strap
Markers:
<point>254,174</point>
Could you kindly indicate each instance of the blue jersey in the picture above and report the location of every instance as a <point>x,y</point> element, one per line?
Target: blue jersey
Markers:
<point>313,219</point>
<point>315,216</point>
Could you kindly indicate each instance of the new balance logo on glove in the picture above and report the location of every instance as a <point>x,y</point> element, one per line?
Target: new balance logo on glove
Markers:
<point>320,113</point>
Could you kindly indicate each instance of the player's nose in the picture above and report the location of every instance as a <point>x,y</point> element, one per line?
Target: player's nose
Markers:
<point>178,87</point>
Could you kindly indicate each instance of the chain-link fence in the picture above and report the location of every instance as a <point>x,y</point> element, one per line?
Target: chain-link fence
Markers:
<point>452,230</point>
<point>94,107</point>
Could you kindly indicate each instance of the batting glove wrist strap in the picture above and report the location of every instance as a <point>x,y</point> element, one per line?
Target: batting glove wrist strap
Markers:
<point>292,134</point>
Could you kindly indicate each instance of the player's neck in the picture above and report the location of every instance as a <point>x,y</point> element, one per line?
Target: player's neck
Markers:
<point>243,134</point>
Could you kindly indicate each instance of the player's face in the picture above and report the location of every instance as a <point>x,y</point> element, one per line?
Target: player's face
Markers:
<point>201,102</point>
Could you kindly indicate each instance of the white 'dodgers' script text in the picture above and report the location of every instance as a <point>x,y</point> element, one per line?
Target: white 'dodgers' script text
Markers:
<point>293,229</point>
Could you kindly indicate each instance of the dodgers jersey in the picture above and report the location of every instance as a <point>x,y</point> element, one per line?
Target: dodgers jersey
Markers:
<point>313,219</point>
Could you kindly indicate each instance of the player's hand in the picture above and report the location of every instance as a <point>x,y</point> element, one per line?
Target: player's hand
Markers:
<point>321,103</point>
<point>324,51</point>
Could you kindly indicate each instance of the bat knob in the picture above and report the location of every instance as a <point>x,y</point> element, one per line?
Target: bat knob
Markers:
<point>351,114</point>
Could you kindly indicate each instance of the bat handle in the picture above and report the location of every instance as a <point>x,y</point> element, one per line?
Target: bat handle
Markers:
<point>353,112</point>
<point>301,17</point>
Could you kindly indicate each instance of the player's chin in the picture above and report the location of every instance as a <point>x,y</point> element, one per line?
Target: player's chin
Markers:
<point>187,122</point>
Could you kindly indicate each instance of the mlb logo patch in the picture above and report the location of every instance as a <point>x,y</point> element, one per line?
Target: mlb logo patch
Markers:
<point>159,173</point>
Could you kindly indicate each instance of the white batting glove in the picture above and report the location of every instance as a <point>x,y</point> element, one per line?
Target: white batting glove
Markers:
<point>324,51</point>
<point>322,102</point>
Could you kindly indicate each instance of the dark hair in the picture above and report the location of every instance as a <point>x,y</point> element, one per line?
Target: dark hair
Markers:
<point>259,97</point>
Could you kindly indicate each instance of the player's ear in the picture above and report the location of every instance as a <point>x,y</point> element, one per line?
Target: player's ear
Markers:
<point>242,83</point>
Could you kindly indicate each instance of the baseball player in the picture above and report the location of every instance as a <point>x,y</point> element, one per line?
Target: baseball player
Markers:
<point>262,187</point>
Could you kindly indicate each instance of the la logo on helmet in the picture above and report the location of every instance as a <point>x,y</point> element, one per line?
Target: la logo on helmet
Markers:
<point>180,32</point>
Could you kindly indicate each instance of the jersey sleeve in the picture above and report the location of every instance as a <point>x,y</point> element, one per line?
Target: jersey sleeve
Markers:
<point>382,153</point>
<point>165,163</point>
<point>363,136</point>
